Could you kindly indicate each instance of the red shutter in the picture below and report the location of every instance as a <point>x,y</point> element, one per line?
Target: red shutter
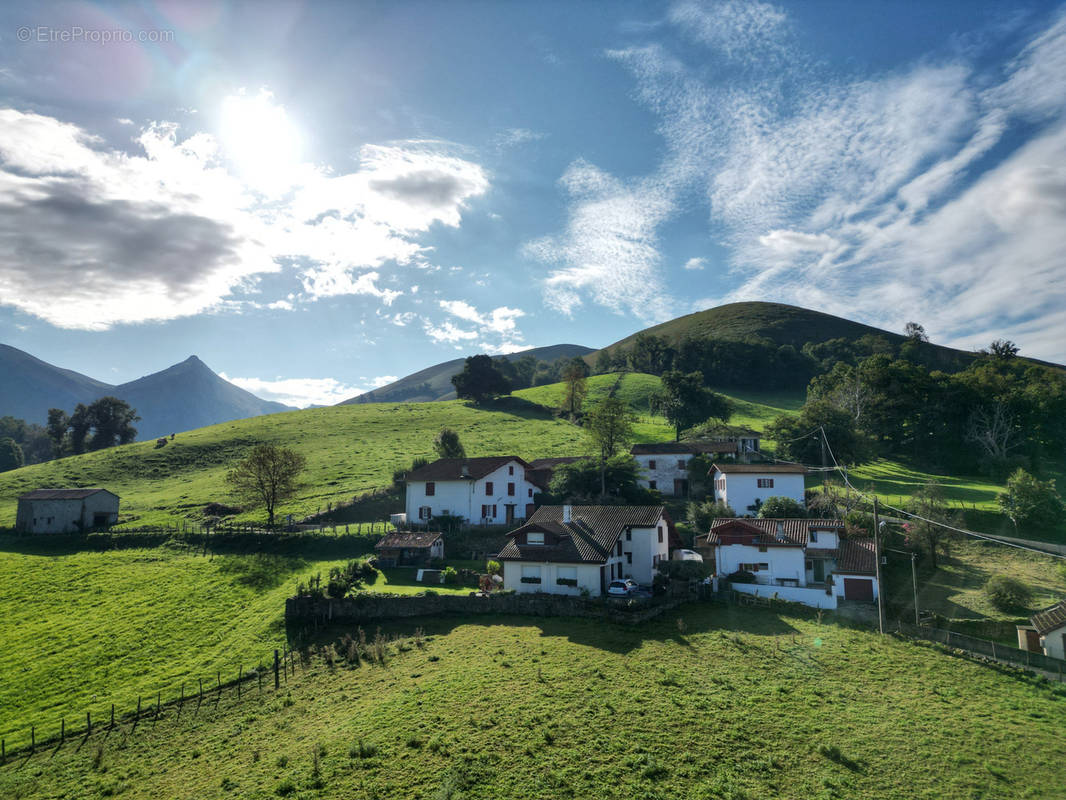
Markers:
<point>488,488</point>
<point>510,490</point>
<point>431,489</point>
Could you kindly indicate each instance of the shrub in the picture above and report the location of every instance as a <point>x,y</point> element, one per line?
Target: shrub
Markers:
<point>450,575</point>
<point>741,576</point>
<point>778,506</point>
<point>1008,594</point>
<point>701,515</point>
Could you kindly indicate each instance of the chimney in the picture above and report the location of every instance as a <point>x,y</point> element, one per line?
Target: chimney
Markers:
<point>566,514</point>
<point>464,471</point>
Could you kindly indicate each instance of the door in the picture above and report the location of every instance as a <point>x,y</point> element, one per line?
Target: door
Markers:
<point>603,580</point>
<point>1032,641</point>
<point>680,487</point>
<point>510,512</point>
<point>819,570</point>
<point>530,508</point>
<point>858,589</point>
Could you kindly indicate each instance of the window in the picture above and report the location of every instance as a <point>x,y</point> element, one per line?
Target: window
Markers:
<point>762,548</point>
<point>681,463</point>
<point>629,558</point>
<point>749,567</point>
<point>765,483</point>
<point>619,548</point>
<point>425,512</point>
<point>530,574</point>
<point>530,492</point>
<point>814,536</point>
<point>651,463</point>
<point>629,534</point>
<point>510,470</point>
<point>652,485</point>
<point>660,533</point>
<point>488,488</point>
<point>764,567</point>
<point>566,576</point>
<point>810,565</point>
<point>533,537</point>
<point>431,488</point>
<point>488,512</point>
<point>510,490</point>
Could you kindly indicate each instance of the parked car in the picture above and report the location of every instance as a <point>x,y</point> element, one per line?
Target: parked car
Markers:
<point>624,587</point>
<point>687,555</point>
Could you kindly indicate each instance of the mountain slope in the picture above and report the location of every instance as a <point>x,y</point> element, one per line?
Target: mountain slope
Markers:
<point>189,395</point>
<point>435,383</point>
<point>30,386</point>
<point>182,397</point>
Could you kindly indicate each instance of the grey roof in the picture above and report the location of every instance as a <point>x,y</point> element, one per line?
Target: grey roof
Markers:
<point>794,530</point>
<point>1050,618</point>
<point>682,448</point>
<point>760,469</point>
<point>452,469</point>
<point>62,494</point>
<point>588,537</point>
<point>408,539</point>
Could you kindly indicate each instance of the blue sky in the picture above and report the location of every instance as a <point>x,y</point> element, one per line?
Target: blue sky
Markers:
<point>316,197</point>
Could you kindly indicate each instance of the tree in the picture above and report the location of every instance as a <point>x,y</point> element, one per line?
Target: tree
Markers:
<point>915,332</point>
<point>267,476</point>
<point>10,454</point>
<point>994,429</point>
<point>447,444</point>
<point>800,438</point>
<point>1003,349</point>
<point>582,481</point>
<point>778,506</point>
<point>701,515</point>
<point>480,380</point>
<point>574,375</point>
<point>610,427</point>
<point>112,422</point>
<point>604,362</point>
<point>925,534</point>
<point>685,401</point>
<point>1029,501</point>
<point>80,424</point>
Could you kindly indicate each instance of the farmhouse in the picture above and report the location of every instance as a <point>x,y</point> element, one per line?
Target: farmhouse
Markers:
<point>66,510</point>
<point>1050,627</point>
<point>409,548</point>
<point>805,560</point>
<point>482,491</point>
<point>664,465</point>
<point>745,486</point>
<point>571,549</point>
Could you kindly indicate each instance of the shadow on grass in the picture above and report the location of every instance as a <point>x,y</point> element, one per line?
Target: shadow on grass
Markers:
<point>619,638</point>
<point>260,570</point>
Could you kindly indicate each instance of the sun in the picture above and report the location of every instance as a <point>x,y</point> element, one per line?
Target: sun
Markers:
<point>260,140</point>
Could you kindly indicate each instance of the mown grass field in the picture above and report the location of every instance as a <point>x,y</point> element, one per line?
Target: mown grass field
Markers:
<point>741,703</point>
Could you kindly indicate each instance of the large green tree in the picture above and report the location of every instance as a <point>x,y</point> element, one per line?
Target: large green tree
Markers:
<point>10,454</point>
<point>480,380</point>
<point>112,422</point>
<point>799,438</point>
<point>583,481</point>
<point>447,444</point>
<point>685,401</point>
<point>574,386</point>
<point>1031,502</point>
<point>609,426</point>
<point>269,475</point>
<point>927,533</point>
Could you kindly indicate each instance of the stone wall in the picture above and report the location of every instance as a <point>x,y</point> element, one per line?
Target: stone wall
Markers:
<point>369,607</point>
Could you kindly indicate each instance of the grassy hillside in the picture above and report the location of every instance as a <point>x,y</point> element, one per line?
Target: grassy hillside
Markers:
<point>733,704</point>
<point>349,449</point>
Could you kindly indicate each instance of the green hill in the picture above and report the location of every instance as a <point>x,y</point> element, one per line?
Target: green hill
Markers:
<point>730,703</point>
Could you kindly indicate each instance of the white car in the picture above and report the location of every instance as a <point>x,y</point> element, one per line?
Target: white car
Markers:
<point>687,555</point>
<point>622,588</point>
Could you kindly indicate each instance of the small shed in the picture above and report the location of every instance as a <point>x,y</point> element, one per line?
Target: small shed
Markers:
<point>1050,627</point>
<point>66,510</point>
<point>410,548</point>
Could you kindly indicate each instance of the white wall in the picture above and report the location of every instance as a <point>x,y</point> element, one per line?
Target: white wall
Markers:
<point>644,544</point>
<point>1053,643</point>
<point>785,562</point>
<point>464,498</point>
<point>666,470</point>
<point>63,516</point>
<point>588,577</point>
<point>742,489</point>
<point>816,598</point>
<point>827,540</point>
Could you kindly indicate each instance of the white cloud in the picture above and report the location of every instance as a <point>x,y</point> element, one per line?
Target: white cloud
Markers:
<point>449,333</point>
<point>281,305</point>
<point>696,263</point>
<point>300,392</point>
<point>515,137</point>
<point>500,322</point>
<point>92,237</point>
<point>740,29</point>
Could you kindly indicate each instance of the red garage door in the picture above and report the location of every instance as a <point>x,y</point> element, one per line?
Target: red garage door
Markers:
<point>858,589</point>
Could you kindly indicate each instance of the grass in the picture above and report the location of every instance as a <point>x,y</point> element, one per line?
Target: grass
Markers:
<point>349,449</point>
<point>745,704</point>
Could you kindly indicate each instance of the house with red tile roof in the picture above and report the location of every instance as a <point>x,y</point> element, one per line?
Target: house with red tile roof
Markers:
<point>744,487</point>
<point>497,490</point>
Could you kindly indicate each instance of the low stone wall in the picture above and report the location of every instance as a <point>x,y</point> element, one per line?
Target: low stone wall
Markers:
<point>370,607</point>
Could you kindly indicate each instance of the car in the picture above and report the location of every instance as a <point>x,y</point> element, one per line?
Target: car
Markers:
<point>687,555</point>
<point>624,587</point>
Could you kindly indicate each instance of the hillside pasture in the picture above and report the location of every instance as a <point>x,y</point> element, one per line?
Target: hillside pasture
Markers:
<point>708,702</point>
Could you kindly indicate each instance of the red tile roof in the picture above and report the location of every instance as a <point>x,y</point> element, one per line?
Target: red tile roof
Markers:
<point>857,557</point>
<point>793,531</point>
<point>407,539</point>
<point>589,536</point>
<point>452,469</point>
<point>768,469</point>
<point>1050,618</point>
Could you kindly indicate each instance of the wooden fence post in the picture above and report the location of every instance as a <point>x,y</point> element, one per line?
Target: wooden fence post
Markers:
<point>277,683</point>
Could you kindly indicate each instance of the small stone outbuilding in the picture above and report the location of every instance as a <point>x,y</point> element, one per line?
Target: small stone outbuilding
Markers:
<point>409,548</point>
<point>66,510</point>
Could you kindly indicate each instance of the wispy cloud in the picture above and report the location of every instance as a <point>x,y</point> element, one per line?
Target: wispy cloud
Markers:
<point>695,263</point>
<point>498,328</point>
<point>302,392</point>
<point>516,137</point>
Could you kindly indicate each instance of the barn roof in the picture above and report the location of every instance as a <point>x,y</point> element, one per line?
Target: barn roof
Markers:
<point>408,540</point>
<point>62,494</point>
<point>1050,618</point>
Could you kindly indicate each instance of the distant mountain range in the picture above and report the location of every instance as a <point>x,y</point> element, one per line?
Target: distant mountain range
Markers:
<point>182,397</point>
<point>435,383</point>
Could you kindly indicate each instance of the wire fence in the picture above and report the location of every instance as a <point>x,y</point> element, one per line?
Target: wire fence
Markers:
<point>986,648</point>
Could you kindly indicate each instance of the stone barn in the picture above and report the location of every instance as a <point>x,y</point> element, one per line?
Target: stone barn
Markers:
<point>66,510</point>
<point>409,548</point>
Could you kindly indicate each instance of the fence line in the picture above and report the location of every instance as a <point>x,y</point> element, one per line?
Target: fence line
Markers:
<point>986,648</point>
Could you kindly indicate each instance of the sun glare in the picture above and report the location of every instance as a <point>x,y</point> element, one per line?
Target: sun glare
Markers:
<point>260,140</point>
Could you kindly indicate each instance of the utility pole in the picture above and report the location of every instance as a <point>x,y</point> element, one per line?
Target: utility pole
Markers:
<point>877,561</point>
<point>914,580</point>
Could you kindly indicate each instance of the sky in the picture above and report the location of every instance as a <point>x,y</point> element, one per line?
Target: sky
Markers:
<point>317,198</point>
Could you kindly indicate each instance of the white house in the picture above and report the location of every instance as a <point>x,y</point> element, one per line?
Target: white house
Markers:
<point>805,560</point>
<point>567,549</point>
<point>664,465</point>
<point>483,491</point>
<point>1050,627</point>
<point>745,486</point>
<point>66,510</point>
